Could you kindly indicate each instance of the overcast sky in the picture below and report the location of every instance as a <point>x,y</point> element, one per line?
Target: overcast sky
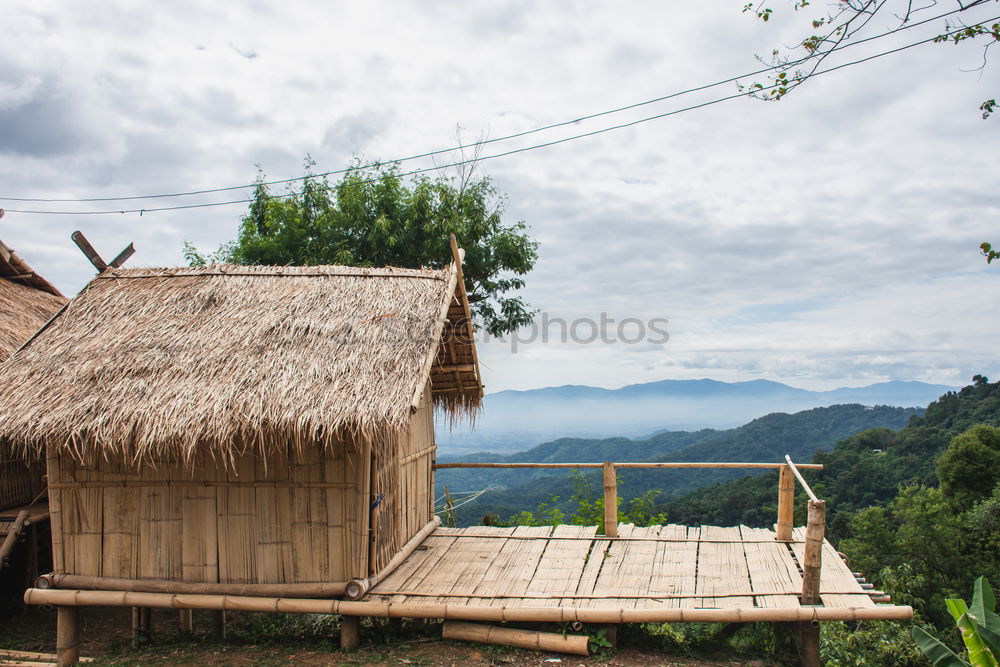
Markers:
<point>826,240</point>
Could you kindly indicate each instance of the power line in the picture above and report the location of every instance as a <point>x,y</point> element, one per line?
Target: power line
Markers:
<point>452,149</point>
<point>483,158</point>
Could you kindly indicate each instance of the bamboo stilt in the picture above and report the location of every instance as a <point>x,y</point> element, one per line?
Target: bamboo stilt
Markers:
<point>219,625</point>
<point>136,626</point>
<point>350,632</point>
<point>530,639</point>
<point>786,504</point>
<point>185,621</point>
<point>67,636</point>
<point>809,636</point>
<point>813,558</point>
<point>610,500</point>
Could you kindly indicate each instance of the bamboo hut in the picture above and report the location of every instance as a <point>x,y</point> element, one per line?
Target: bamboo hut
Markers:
<point>242,429</point>
<point>27,301</point>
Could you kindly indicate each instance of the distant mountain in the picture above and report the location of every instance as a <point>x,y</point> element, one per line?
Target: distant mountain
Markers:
<point>766,439</point>
<point>515,420</point>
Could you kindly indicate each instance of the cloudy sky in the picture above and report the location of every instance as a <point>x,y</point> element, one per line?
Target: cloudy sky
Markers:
<point>826,240</point>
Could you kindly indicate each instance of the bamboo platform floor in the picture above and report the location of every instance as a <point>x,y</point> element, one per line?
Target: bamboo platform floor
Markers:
<point>645,567</point>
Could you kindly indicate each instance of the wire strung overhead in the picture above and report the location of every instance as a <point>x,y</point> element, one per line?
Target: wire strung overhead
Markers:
<point>482,158</point>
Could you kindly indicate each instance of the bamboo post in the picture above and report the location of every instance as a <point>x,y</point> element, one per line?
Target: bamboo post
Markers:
<point>219,625</point>
<point>813,559</point>
<point>809,634</point>
<point>350,632</point>
<point>67,636</point>
<point>812,566</point>
<point>786,504</point>
<point>136,626</point>
<point>185,621</point>
<point>530,639</point>
<point>610,500</point>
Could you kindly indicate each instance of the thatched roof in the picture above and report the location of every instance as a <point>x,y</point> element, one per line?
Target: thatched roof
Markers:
<point>167,363</point>
<point>27,301</point>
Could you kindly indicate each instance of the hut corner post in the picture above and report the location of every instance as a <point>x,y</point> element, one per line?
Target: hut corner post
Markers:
<point>67,636</point>
<point>811,568</point>
<point>610,500</point>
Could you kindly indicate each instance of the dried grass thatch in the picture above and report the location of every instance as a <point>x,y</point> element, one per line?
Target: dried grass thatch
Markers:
<point>155,364</point>
<point>27,301</point>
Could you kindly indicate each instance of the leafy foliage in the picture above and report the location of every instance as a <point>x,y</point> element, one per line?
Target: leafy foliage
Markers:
<point>979,626</point>
<point>372,217</point>
<point>846,22</point>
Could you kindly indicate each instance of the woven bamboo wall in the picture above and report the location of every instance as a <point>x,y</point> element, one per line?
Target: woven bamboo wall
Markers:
<point>416,476</point>
<point>284,520</point>
<point>403,485</point>
<point>20,481</point>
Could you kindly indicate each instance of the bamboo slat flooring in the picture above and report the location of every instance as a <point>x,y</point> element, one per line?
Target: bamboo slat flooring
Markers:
<point>706,567</point>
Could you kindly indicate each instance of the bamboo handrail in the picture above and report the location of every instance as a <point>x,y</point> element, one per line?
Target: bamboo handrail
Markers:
<point>417,455</point>
<point>79,598</point>
<point>11,538</point>
<point>795,471</point>
<point>639,464</point>
<point>356,588</point>
<point>596,538</point>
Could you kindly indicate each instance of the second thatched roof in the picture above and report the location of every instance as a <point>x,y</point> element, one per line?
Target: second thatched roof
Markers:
<point>27,301</point>
<point>171,363</point>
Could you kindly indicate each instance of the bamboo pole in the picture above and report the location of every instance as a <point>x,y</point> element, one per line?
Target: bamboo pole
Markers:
<point>35,519</point>
<point>8,655</point>
<point>417,455</point>
<point>809,636</point>
<point>67,636</point>
<point>219,625</point>
<point>357,588</point>
<point>85,582</point>
<point>458,255</point>
<point>54,474</point>
<point>640,464</point>
<point>786,504</point>
<point>795,471</point>
<point>425,371</point>
<point>372,516</point>
<point>610,500</point>
<point>529,639</point>
<point>185,621</point>
<point>812,561</point>
<point>12,532</point>
<point>79,598</point>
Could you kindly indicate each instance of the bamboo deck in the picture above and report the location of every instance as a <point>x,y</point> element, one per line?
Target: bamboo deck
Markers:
<point>651,567</point>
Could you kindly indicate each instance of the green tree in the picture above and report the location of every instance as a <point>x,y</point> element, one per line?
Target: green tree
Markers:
<point>372,217</point>
<point>970,468</point>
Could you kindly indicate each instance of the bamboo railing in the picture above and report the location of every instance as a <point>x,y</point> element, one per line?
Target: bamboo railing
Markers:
<point>788,474</point>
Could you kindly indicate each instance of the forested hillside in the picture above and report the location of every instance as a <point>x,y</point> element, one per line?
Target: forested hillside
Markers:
<point>918,510</point>
<point>865,469</point>
<point>768,438</point>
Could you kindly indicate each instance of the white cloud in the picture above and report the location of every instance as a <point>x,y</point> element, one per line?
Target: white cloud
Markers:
<point>827,239</point>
